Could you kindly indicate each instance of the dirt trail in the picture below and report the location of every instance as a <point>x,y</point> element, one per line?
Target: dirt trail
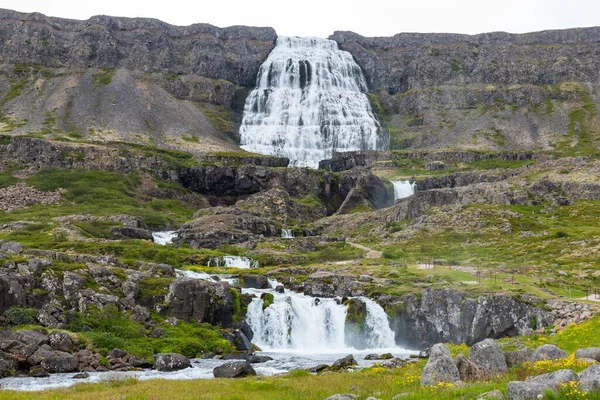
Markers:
<point>370,252</point>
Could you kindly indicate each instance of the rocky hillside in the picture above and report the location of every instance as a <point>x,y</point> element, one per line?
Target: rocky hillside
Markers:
<point>139,80</point>
<point>488,91</point>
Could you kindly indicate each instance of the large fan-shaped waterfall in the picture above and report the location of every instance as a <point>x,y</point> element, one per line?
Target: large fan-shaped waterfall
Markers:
<point>309,102</point>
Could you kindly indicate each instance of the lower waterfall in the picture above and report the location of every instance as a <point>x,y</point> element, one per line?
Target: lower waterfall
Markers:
<point>308,324</point>
<point>403,189</point>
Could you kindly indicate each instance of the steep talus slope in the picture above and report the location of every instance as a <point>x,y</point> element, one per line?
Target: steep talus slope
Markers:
<point>139,80</point>
<point>492,91</point>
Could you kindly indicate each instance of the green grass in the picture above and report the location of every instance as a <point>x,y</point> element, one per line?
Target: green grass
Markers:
<point>103,76</point>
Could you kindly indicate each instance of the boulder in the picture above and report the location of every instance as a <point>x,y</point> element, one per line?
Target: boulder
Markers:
<point>59,361</point>
<point>517,357</point>
<point>72,285</point>
<point>254,281</point>
<point>12,248</point>
<point>8,365</point>
<point>234,369</point>
<point>548,352</point>
<point>170,362</point>
<point>538,385</point>
<point>344,363</point>
<point>82,375</point>
<point>126,232</point>
<point>61,341</point>
<point>193,299</point>
<point>254,359</point>
<point>590,379</point>
<point>589,352</point>
<point>467,369</point>
<point>279,289</point>
<point>345,396</point>
<point>41,353</point>
<point>139,314</point>
<point>51,315</point>
<point>440,367</point>
<point>488,356</point>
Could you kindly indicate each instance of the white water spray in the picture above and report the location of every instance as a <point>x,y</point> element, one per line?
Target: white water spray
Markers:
<point>309,102</point>
<point>308,324</point>
<point>403,189</point>
<point>233,262</point>
<point>164,238</point>
<point>287,234</point>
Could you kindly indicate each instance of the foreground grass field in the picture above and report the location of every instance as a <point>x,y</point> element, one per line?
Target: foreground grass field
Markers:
<point>376,382</point>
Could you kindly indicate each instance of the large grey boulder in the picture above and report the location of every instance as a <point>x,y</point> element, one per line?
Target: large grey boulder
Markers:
<point>548,352</point>
<point>467,369</point>
<point>538,385</point>
<point>12,247</point>
<point>589,352</point>
<point>238,369</point>
<point>440,367</point>
<point>59,361</point>
<point>590,379</point>
<point>516,358</point>
<point>489,357</point>
<point>170,362</point>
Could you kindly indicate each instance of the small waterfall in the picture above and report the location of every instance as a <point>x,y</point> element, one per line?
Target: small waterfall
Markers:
<point>403,189</point>
<point>207,277</point>
<point>309,102</point>
<point>165,237</point>
<point>298,322</point>
<point>287,234</point>
<point>378,324</point>
<point>233,262</point>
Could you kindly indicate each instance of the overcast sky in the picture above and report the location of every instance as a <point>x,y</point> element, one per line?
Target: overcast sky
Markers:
<point>322,17</point>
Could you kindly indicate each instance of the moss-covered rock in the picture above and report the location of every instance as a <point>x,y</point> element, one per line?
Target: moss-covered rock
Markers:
<point>267,299</point>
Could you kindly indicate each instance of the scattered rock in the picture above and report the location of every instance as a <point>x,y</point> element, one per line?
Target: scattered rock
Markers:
<point>548,352</point>
<point>589,352</point>
<point>590,379</point>
<point>345,396</point>
<point>170,362</point>
<point>60,361</point>
<point>440,367</point>
<point>234,370</point>
<point>489,357</point>
<point>518,357</point>
<point>344,363</point>
<point>538,385</point>
<point>467,369</point>
<point>82,375</point>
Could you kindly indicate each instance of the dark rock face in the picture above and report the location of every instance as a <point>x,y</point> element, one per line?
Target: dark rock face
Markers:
<point>142,44</point>
<point>202,301</point>
<point>434,87</point>
<point>170,362</point>
<point>450,316</point>
<point>234,370</point>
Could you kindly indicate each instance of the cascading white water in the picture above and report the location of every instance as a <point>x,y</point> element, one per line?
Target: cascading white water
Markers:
<point>233,262</point>
<point>309,102</point>
<point>287,234</point>
<point>403,189</point>
<point>164,238</point>
<point>308,324</point>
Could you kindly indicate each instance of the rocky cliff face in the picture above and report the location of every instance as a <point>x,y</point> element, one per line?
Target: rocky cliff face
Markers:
<point>493,90</point>
<point>141,80</point>
<point>450,316</point>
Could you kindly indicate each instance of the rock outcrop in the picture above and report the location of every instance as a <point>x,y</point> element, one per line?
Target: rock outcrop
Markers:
<point>451,316</point>
<point>487,91</point>
<point>238,369</point>
<point>440,367</point>
<point>194,299</point>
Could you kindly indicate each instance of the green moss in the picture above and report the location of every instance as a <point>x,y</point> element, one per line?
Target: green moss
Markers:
<point>267,299</point>
<point>95,228</point>
<point>103,76</point>
<point>22,316</point>
<point>155,286</point>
